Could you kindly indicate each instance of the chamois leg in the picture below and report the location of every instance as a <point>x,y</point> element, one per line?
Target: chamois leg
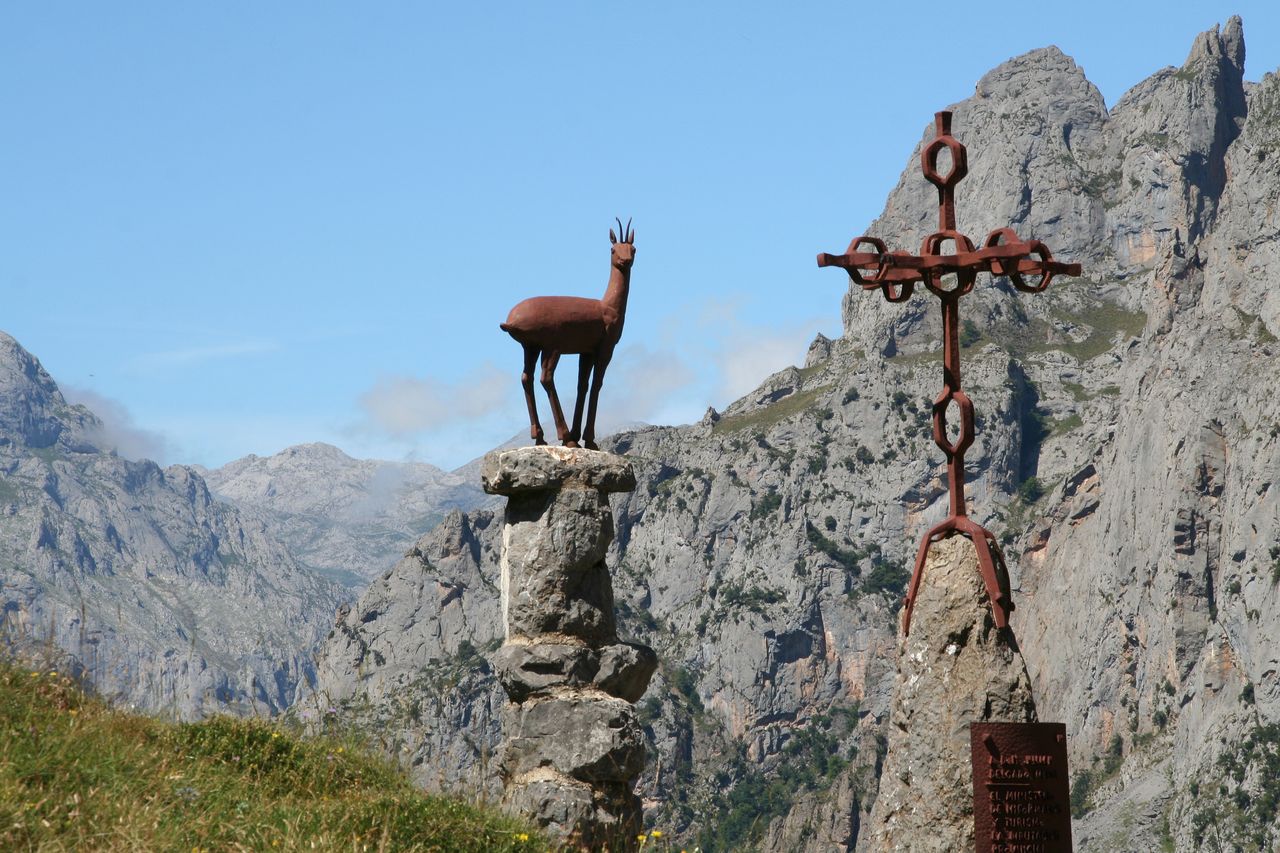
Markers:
<point>586,361</point>
<point>526,380</point>
<point>589,432</point>
<point>549,361</point>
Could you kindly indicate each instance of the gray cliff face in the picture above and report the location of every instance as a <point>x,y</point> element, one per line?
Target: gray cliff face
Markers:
<point>347,519</point>
<point>1126,451</point>
<point>133,576</point>
<point>408,660</point>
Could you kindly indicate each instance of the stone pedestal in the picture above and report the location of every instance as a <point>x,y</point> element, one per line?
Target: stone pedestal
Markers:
<point>956,668</point>
<point>572,744</point>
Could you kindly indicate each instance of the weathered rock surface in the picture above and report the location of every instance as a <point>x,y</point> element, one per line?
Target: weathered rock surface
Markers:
<point>345,518</point>
<point>1126,451</point>
<point>571,719</point>
<point>956,668</point>
<point>133,576</point>
<point>517,472</point>
<point>406,662</point>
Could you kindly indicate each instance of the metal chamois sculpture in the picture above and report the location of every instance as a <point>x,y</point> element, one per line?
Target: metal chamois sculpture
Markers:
<point>1003,253</point>
<point>552,326</point>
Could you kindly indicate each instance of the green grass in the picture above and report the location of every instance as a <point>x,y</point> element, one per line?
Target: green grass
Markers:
<point>48,454</point>
<point>763,419</point>
<point>1062,426</point>
<point>1077,391</point>
<point>76,774</point>
<point>1254,322</point>
<point>1106,319</point>
<point>1032,335</point>
<point>9,490</point>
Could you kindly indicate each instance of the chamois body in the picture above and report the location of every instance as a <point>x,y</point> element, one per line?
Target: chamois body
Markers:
<point>577,328</point>
<point>552,326</point>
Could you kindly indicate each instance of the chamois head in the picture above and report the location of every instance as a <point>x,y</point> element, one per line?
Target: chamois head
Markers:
<point>624,250</point>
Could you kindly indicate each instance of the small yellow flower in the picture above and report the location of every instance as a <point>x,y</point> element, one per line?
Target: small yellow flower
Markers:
<point>657,833</point>
<point>642,839</point>
<point>275,735</point>
<point>524,836</point>
<point>339,749</point>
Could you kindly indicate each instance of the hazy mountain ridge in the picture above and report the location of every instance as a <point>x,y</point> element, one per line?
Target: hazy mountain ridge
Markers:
<point>1125,449</point>
<point>133,576</point>
<point>346,518</point>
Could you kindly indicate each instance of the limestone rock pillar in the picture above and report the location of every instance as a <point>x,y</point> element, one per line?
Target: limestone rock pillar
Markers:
<point>956,668</point>
<point>573,746</point>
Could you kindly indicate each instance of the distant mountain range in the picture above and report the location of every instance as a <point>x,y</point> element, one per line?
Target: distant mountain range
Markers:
<point>134,576</point>
<point>347,519</point>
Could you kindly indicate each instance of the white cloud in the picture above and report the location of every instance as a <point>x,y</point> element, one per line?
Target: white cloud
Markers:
<point>403,405</point>
<point>199,355</point>
<point>118,431</point>
<point>742,354</point>
<point>641,384</point>
<point>748,355</point>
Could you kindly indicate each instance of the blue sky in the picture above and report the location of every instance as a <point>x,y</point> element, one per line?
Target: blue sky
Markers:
<point>233,227</point>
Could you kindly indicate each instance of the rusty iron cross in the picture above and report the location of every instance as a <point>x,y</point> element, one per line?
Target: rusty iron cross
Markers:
<point>1028,265</point>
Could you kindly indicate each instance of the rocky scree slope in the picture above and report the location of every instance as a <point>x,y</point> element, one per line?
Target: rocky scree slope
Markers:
<point>133,576</point>
<point>1126,452</point>
<point>345,518</point>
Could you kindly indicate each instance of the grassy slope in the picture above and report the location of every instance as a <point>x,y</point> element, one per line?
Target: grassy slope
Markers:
<point>78,775</point>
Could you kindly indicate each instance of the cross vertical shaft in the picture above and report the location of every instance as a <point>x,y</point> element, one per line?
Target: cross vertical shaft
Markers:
<point>949,275</point>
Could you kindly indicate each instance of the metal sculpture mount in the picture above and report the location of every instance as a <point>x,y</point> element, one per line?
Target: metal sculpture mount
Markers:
<point>949,275</point>
<point>552,326</point>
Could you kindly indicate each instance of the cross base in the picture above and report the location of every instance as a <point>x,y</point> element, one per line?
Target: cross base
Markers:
<point>989,557</point>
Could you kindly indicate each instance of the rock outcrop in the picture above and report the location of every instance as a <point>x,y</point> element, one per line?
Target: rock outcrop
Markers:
<point>133,577</point>
<point>572,744</point>
<point>956,668</point>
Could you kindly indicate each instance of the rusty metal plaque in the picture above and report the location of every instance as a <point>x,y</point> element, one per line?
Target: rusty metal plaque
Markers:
<point>1021,796</point>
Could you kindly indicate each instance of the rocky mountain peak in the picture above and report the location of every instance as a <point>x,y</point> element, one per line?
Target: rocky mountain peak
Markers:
<point>347,518</point>
<point>314,451</point>
<point>1021,74</point>
<point>19,369</point>
<point>1225,43</point>
<point>32,409</point>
